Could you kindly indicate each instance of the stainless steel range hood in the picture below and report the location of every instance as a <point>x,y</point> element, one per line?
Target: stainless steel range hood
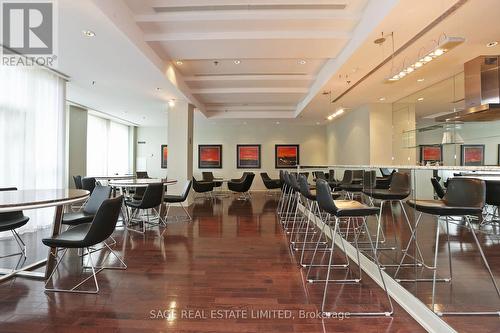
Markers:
<point>482,91</point>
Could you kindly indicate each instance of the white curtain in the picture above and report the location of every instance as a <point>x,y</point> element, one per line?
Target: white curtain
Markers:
<point>32,134</point>
<point>107,147</point>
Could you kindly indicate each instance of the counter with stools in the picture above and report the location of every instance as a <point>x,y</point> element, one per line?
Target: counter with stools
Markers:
<point>464,197</point>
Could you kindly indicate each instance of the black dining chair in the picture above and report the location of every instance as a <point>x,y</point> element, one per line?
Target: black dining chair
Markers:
<point>206,188</point>
<point>242,186</point>
<point>269,183</point>
<point>151,200</point>
<point>10,222</point>
<point>358,212</point>
<point>492,202</point>
<point>88,184</point>
<point>464,197</point>
<point>78,182</point>
<point>171,199</point>
<point>208,176</point>
<point>86,236</point>
<point>141,175</point>
<point>87,214</point>
<point>440,192</point>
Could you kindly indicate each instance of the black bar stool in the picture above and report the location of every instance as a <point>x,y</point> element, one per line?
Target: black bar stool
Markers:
<point>355,210</point>
<point>465,197</point>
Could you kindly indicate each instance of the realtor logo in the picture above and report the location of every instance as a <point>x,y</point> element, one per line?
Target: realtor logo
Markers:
<point>28,27</point>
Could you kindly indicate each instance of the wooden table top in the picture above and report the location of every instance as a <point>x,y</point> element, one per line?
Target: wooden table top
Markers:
<point>114,177</point>
<point>32,199</point>
<point>141,182</point>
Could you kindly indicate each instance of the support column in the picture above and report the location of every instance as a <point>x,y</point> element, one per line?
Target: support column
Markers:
<point>180,146</point>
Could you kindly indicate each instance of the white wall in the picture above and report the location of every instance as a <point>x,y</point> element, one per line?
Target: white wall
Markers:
<point>311,138</point>
<point>148,155</point>
<point>349,138</point>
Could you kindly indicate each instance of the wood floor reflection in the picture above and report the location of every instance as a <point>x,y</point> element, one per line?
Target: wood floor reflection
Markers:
<point>234,256</point>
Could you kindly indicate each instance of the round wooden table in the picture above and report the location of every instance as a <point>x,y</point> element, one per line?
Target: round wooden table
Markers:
<point>143,182</point>
<point>11,201</point>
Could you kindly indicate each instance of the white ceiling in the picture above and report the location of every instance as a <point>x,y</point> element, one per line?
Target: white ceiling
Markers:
<point>139,44</point>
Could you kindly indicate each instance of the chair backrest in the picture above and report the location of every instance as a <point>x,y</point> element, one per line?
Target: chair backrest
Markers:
<point>400,182</point>
<point>385,172</point>
<point>369,179</point>
<point>304,187</point>
<point>331,175</point>
<point>493,193</point>
<point>319,175</point>
<point>306,174</point>
<point>324,197</point>
<point>78,182</point>
<point>282,178</point>
<point>96,199</point>
<point>440,190</point>
<point>142,175</point>
<point>357,174</point>
<point>247,182</point>
<point>104,222</point>
<point>201,187</point>
<point>207,176</point>
<point>265,177</point>
<point>293,181</point>
<point>187,188</point>
<point>152,196</point>
<point>88,183</point>
<point>347,179</point>
<point>2,189</point>
<point>465,192</point>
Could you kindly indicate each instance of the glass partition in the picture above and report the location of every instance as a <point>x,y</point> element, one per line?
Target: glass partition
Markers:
<point>409,261</point>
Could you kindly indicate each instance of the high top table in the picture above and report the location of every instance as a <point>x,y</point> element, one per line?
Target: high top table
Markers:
<point>11,201</point>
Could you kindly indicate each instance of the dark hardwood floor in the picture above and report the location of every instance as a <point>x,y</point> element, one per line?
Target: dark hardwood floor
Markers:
<point>233,257</point>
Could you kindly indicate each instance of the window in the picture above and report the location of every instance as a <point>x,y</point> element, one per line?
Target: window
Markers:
<point>32,134</point>
<point>107,147</point>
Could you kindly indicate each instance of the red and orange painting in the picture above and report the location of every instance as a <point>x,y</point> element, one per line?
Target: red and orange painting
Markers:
<point>164,156</point>
<point>209,156</point>
<point>431,153</point>
<point>286,156</point>
<point>472,155</point>
<point>248,156</point>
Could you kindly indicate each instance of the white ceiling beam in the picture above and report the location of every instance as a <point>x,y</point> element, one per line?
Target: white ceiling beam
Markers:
<point>277,77</point>
<point>251,115</point>
<point>262,108</point>
<point>214,91</point>
<point>243,35</point>
<point>249,15</point>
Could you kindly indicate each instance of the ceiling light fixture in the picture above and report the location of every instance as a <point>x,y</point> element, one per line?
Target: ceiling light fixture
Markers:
<point>171,103</point>
<point>337,113</point>
<point>420,99</point>
<point>179,63</point>
<point>447,44</point>
<point>381,99</point>
<point>237,62</point>
<point>277,123</point>
<point>492,44</point>
<point>420,80</point>
<point>88,33</point>
<point>302,62</point>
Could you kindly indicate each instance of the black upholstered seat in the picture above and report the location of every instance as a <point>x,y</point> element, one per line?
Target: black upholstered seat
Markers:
<point>269,183</point>
<point>465,196</point>
<point>208,176</point>
<point>88,184</point>
<point>242,186</point>
<point>179,198</point>
<point>89,234</point>
<point>340,208</point>
<point>202,187</point>
<point>399,188</point>
<point>151,199</point>
<point>86,215</point>
<point>12,220</point>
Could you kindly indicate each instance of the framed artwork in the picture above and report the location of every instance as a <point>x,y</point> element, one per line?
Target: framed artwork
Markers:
<point>209,156</point>
<point>472,155</point>
<point>164,156</point>
<point>431,153</point>
<point>248,156</point>
<point>286,156</point>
